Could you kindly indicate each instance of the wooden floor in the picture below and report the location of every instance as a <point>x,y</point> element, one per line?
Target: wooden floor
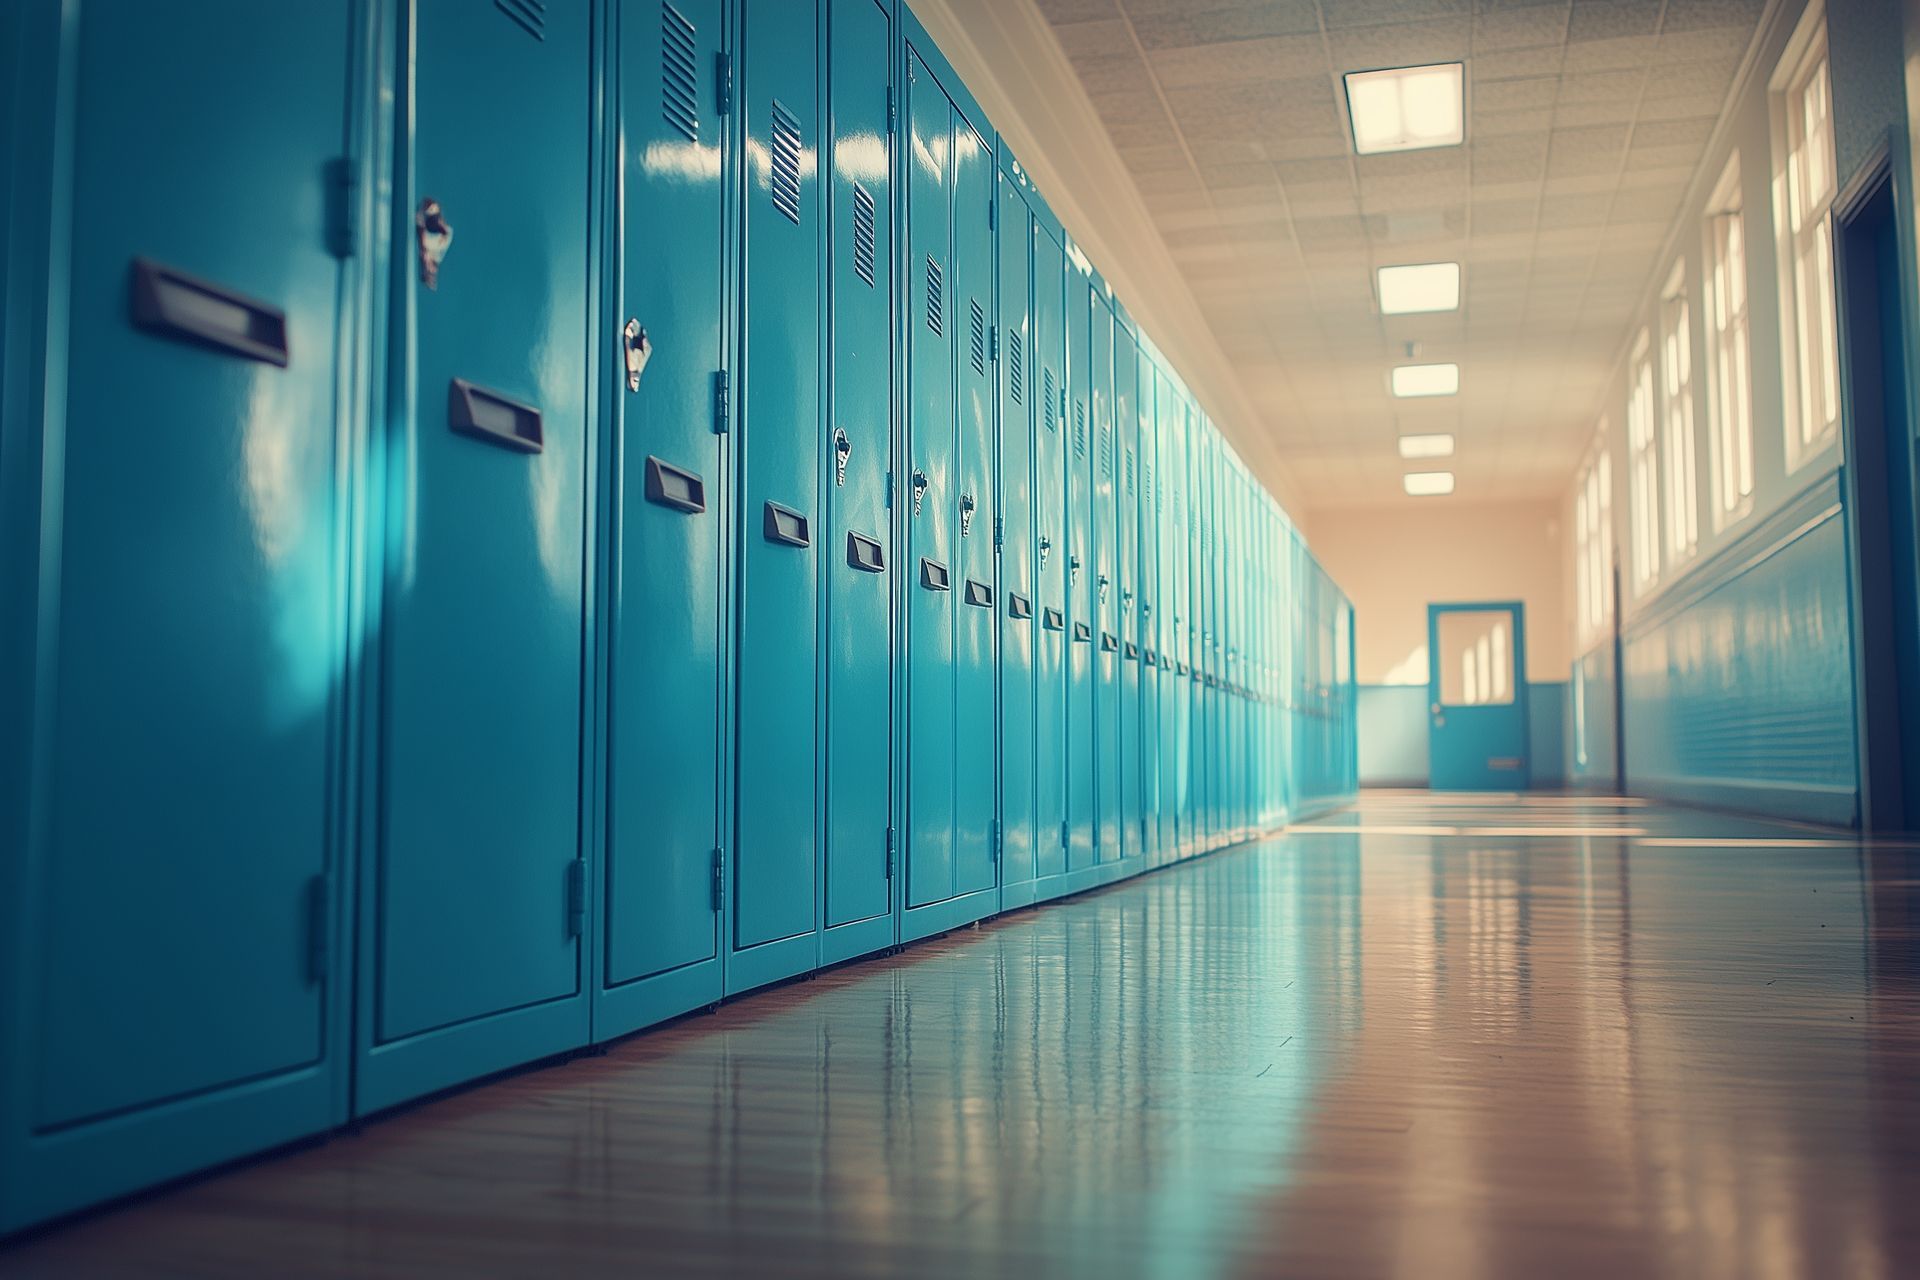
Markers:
<point>1485,1038</point>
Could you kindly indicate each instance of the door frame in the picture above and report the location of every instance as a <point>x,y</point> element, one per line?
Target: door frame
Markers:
<point>1518,649</point>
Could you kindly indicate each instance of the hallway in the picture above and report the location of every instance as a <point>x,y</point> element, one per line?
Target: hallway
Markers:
<point>1495,1036</point>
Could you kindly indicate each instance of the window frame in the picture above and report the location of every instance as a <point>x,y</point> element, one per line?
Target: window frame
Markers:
<point>1803,233</point>
<point>1727,314</point>
<point>1679,439</point>
<point>1643,468</point>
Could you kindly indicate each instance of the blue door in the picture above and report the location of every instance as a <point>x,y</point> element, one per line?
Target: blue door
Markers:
<point>1051,451</point>
<point>174,561</point>
<point>775,904</point>
<point>1477,696</point>
<point>858,565</point>
<point>665,509</point>
<point>1014,482</point>
<point>473,933</point>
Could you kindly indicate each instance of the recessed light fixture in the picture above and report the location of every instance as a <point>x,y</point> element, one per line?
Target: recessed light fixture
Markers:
<point>1427,286</point>
<point>1428,484</point>
<point>1414,380</point>
<point>1407,108</point>
<point>1438,444</point>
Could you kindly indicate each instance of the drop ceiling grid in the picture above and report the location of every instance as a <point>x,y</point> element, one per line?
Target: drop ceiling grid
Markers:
<point>1586,119</point>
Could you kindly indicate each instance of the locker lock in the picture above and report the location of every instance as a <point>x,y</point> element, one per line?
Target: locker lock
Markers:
<point>1126,601</point>
<point>842,450</point>
<point>638,351</point>
<point>1104,584</point>
<point>919,490</point>
<point>966,514</point>
<point>1046,548</point>
<point>1073,567</point>
<point>435,236</point>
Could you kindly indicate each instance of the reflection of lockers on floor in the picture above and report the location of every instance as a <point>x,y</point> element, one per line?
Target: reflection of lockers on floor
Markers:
<point>713,523</point>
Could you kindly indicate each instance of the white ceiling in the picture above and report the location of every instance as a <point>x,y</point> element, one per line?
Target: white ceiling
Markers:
<point>1586,120</point>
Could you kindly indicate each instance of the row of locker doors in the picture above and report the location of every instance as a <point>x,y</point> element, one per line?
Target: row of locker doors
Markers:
<point>551,689</point>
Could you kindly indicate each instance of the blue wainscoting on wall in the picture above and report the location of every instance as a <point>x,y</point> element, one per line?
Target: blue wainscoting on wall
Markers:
<point>1592,756</point>
<point>1739,680</point>
<point>1547,734</point>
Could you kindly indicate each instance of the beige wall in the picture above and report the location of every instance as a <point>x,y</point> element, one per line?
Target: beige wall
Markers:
<point>1395,561</point>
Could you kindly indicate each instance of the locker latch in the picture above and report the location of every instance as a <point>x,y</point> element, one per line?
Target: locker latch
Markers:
<point>919,490</point>
<point>1126,601</point>
<point>966,514</point>
<point>1104,584</point>
<point>435,237</point>
<point>638,351</point>
<point>1073,568</point>
<point>1046,549</point>
<point>842,450</point>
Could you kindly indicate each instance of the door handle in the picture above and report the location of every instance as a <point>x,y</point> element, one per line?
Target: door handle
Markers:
<point>638,350</point>
<point>842,451</point>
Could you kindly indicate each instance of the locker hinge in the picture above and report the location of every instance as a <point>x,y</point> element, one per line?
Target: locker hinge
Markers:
<point>723,83</point>
<point>343,212</point>
<point>1064,839</point>
<point>892,846</point>
<point>893,112</point>
<point>889,502</point>
<point>719,879</point>
<point>576,897</point>
<point>993,214</point>
<point>319,952</point>
<point>722,403</point>
<point>994,846</point>
<point>993,344</point>
<point>999,532</point>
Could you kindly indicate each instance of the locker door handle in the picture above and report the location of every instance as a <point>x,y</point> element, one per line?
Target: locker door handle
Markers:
<point>669,486</point>
<point>174,304</point>
<point>1082,633</point>
<point>1046,547</point>
<point>637,349</point>
<point>979,594</point>
<point>785,526</point>
<point>842,452</point>
<point>865,554</point>
<point>1133,652</point>
<point>1053,620</point>
<point>486,415</point>
<point>933,575</point>
<point>1018,606</point>
<point>1109,643</point>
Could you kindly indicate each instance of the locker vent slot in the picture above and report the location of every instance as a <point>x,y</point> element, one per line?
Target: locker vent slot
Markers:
<point>979,594</point>
<point>1018,606</point>
<point>1080,428</point>
<point>785,526</point>
<point>1130,476</point>
<point>979,337</point>
<point>1046,404</point>
<point>864,553</point>
<point>1016,371</point>
<point>679,79</point>
<point>936,296</point>
<point>669,486</point>
<point>933,575</point>
<point>863,234</point>
<point>784,160</point>
<point>529,15</point>
<point>1106,451</point>
<point>1053,620</point>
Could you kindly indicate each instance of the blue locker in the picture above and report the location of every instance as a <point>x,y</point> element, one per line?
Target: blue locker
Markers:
<point>933,490</point>
<point>1166,612</point>
<point>1126,410</point>
<point>1082,620</point>
<point>1179,700</point>
<point>976,520</point>
<point>473,889</point>
<point>1052,450</point>
<point>1106,587</point>
<point>1019,620</point>
<point>775,907</point>
<point>659,936</point>
<point>171,595</point>
<point>1147,608</point>
<point>859,565</point>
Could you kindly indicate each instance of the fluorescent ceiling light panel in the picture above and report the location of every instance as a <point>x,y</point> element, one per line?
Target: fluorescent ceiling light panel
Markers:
<point>1415,380</point>
<point>1428,484</point>
<point>1437,444</point>
<point>1407,108</point>
<point>1429,286</point>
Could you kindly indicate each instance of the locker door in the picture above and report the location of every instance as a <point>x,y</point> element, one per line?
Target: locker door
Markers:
<point>933,498</point>
<point>974,578</point>
<point>1147,610</point>
<point>1051,550</point>
<point>859,561</point>
<point>181,587</point>
<point>1018,613</point>
<point>1106,588</point>
<point>1083,623</point>
<point>1126,404</point>
<point>776,751</point>
<point>665,696</point>
<point>478,964</point>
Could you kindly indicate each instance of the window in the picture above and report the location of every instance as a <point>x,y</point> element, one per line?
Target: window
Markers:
<point>1729,382</point>
<point>1593,541</point>
<point>1643,467</point>
<point>1811,370</point>
<point>1676,418</point>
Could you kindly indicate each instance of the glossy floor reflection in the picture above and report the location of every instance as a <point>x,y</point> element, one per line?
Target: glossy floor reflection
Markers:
<point>1481,1037</point>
